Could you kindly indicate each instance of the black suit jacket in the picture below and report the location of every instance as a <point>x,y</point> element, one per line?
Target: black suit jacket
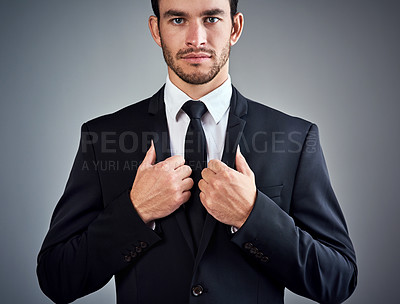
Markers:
<point>295,236</point>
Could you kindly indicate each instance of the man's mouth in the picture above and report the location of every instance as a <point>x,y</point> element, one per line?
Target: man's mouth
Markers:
<point>196,57</point>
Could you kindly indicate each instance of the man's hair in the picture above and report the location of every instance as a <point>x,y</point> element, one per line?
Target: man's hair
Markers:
<point>156,9</point>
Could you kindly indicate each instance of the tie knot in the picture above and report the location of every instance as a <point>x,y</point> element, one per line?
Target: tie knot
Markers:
<point>194,109</point>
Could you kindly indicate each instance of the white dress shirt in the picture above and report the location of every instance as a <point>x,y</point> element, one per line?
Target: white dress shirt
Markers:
<point>214,121</point>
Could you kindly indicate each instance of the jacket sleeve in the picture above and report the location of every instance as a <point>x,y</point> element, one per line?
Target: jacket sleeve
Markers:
<point>87,242</point>
<point>309,249</point>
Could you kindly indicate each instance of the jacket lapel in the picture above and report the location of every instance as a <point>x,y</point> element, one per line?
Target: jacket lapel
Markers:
<point>160,137</point>
<point>238,108</point>
<point>159,133</point>
<point>161,141</point>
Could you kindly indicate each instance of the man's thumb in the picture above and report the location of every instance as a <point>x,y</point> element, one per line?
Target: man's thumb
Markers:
<point>241,164</point>
<point>150,157</point>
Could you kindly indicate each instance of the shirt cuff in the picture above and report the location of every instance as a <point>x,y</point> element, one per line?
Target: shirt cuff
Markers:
<point>234,229</point>
<point>152,225</point>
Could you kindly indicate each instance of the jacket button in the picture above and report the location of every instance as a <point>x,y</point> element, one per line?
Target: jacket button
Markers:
<point>254,250</point>
<point>127,258</point>
<point>138,249</point>
<point>133,254</point>
<point>248,246</point>
<point>264,259</point>
<point>143,245</point>
<point>197,290</point>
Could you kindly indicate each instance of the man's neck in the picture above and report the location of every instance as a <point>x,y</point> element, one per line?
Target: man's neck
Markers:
<point>195,91</point>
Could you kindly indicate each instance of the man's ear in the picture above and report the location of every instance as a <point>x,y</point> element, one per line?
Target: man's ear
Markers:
<point>237,28</point>
<point>154,29</point>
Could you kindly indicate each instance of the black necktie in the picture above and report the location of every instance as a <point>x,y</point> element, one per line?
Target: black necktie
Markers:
<point>196,158</point>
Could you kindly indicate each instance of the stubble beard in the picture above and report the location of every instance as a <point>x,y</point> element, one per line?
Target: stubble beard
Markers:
<point>197,77</point>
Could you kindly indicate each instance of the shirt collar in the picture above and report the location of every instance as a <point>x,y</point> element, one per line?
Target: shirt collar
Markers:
<point>217,101</point>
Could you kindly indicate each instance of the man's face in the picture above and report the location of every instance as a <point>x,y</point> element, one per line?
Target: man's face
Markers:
<point>195,37</point>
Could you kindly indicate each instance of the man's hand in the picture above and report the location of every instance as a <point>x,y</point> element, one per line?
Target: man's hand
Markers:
<point>160,189</point>
<point>228,195</point>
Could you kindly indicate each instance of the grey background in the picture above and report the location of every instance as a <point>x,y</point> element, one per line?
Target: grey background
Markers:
<point>335,63</point>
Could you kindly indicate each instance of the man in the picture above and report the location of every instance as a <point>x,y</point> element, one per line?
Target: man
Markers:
<point>261,217</point>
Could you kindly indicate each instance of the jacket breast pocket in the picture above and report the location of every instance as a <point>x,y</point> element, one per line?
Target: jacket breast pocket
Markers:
<point>273,192</point>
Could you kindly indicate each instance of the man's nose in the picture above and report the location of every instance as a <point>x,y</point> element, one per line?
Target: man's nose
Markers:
<point>196,35</point>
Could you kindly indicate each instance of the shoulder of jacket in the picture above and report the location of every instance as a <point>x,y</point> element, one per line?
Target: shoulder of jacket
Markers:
<point>276,117</point>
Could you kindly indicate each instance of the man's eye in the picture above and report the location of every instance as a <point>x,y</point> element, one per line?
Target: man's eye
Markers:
<point>212,19</point>
<point>177,20</point>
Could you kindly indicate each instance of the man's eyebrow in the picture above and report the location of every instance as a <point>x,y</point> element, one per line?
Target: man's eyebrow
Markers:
<point>173,13</point>
<point>213,12</point>
<point>210,12</point>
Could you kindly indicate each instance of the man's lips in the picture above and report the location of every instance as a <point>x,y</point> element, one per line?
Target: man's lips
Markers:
<point>196,57</point>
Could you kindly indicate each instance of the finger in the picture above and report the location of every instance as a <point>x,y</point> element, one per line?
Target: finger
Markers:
<point>183,171</point>
<point>171,163</point>
<point>207,174</point>
<point>186,195</point>
<point>217,166</point>
<point>187,184</point>
<point>174,162</point>
<point>203,200</point>
<point>150,157</point>
<point>203,186</point>
<point>241,164</point>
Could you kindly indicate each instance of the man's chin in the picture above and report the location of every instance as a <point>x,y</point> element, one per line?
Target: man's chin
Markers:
<point>195,73</point>
<point>196,79</point>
